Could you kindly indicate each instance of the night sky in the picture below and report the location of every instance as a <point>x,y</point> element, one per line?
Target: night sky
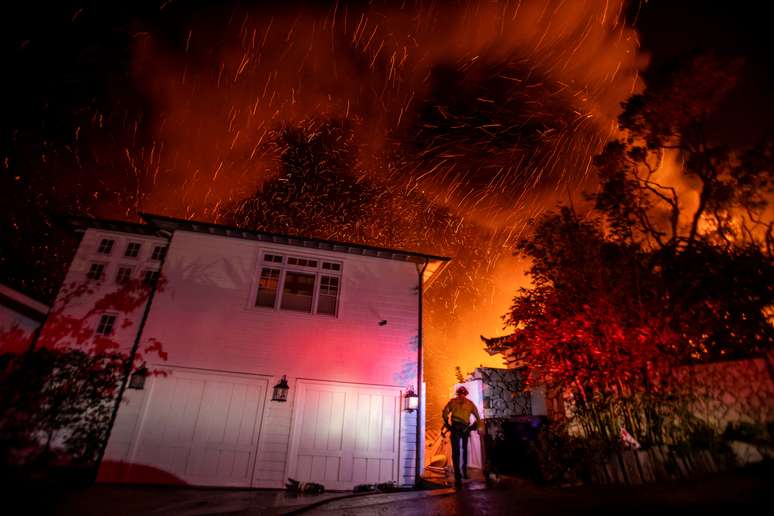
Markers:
<point>93,121</point>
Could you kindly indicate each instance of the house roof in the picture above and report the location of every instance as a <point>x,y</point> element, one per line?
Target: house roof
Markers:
<point>509,346</point>
<point>21,303</point>
<point>170,224</point>
<point>81,223</point>
<point>161,226</point>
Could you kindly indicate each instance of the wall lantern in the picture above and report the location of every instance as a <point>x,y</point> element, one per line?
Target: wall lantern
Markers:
<point>281,390</point>
<point>410,400</point>
<point>137,380</point>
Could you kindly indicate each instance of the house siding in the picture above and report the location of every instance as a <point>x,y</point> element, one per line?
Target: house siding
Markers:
<point>20,318</point>
<point>205,319</point>
<point>124,334</point>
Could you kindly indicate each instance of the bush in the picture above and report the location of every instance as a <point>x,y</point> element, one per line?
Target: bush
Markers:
<point>55,406</point>
<point>562,458</point>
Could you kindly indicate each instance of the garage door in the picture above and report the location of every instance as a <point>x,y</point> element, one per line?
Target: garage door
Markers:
<point>200,428</point>
<point>344,434</point>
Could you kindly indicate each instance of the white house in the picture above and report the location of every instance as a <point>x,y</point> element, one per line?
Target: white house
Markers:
<point>20,318</point>
<point>238,312</point>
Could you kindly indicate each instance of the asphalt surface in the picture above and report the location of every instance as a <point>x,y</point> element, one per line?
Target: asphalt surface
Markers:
<point>746,491</point>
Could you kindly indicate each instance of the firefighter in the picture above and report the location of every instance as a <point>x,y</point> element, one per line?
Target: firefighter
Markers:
<point>456,419</point>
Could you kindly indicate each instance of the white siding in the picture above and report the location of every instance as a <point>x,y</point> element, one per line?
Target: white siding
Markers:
<point>77,275</point>
<point>205,319</point>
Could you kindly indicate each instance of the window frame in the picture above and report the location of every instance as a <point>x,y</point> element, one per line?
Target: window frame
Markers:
<point>111,247</point>
<point>113,325</point>
<point>277,292</point>
<point>119,267</point>
<point>284,267</point>
<point>103,273</point>
<point>162,253</point>
<point>129,244</point>
<point>150,270</point>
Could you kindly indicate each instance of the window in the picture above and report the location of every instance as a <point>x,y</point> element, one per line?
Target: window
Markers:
<point>96,271</point>
<point>106,324</point>
<point>302,262</point>
<point>133,249</point>
<point>159,252</point>
<point>331,266</point>
<point>123,275</point>
<point>299,284</point>
<point>298,291</point>
<point>106,246</point>
<point>267,287</point>
<point>150,277</point>
<point>329,294</point>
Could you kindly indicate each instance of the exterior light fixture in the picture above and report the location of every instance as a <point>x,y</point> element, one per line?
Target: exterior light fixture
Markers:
<point>281,390</point>
<point>137,380</point>
<point>410,400</point>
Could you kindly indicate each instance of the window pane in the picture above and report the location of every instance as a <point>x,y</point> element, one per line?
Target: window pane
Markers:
<point>132,250</point>
<point>150,277</point>
<point>105,246</point>
<point>267,287</point>
<point>158,252</point>
<point>124,275</point>
<point>106,323</point>
<point>329,292</point>
<point>297,292</point>
<point>95,271</point>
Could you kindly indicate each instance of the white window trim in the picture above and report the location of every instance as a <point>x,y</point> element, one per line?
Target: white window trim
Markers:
<point>120,266</point>
<point>146,270</point>
<point>102,238</point>
<point>139,251</point>
<point>105,268</point>
<point>284,268</point>
<point>165,249</point>
<point>115,324</point>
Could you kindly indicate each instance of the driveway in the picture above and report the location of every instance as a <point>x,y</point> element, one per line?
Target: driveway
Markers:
<point>733,493</point>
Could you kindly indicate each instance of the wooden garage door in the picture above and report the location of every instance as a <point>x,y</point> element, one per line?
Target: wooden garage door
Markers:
<point>344,434</point>
<point>200,428</point>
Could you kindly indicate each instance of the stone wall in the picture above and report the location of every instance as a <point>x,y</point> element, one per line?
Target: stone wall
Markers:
<point>502,393</point>
<point>735,391</point>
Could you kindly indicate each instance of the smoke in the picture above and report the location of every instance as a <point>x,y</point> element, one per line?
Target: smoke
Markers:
<point>490,109</point>
<point>482,104</point>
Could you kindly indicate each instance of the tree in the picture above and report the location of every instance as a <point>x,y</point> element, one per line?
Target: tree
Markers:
<point>641,284</point>
<point>57,400</point>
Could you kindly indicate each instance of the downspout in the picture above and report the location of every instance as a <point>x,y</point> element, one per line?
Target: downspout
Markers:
<point>130,360</point>
<point>420,438</point>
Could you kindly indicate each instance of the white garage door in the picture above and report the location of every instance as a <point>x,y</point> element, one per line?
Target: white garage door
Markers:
<point>345,434</point>
<point>200,428</point>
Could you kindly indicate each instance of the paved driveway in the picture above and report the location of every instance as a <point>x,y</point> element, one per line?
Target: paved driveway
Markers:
<point>749,491</point>
<point>732,494</point>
